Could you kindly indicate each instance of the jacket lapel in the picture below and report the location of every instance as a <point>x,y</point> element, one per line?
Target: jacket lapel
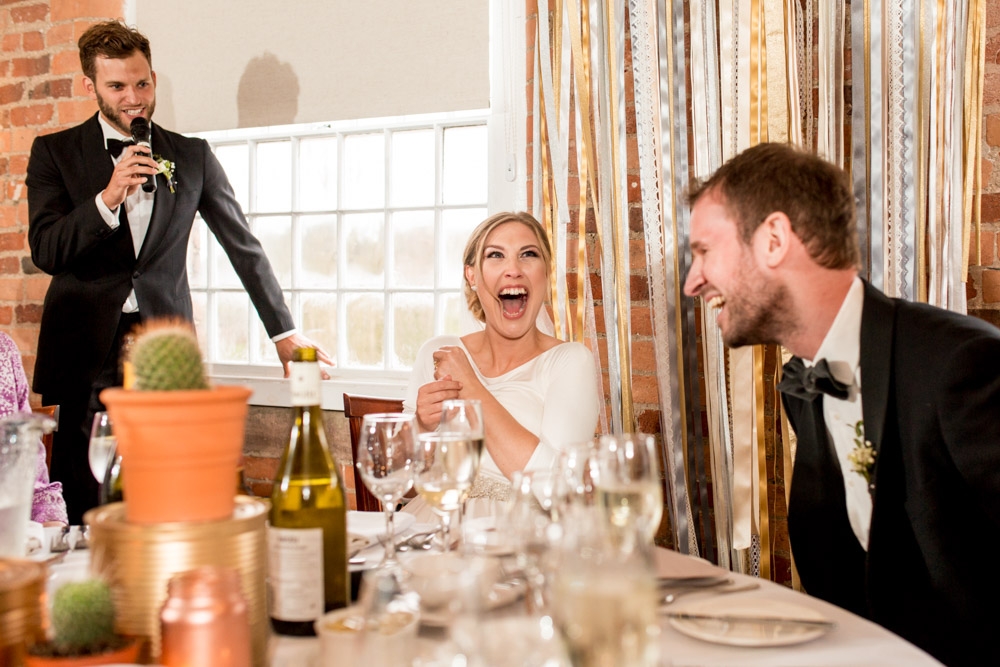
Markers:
<point>163,201</point>
<point>96,159</point>
<point>877,323</point>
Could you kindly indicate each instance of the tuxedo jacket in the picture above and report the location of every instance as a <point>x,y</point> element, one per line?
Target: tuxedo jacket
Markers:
<point>93,267</point>
<point>930,393</point>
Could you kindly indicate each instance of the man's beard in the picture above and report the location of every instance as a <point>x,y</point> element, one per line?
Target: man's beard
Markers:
<point>756,316</point>
<point>115,117</point>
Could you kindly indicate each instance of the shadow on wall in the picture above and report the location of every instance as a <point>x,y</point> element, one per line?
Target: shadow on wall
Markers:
<point>268,93</point>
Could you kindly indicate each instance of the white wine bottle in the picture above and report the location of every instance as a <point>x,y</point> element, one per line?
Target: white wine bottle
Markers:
<point>307,536</point>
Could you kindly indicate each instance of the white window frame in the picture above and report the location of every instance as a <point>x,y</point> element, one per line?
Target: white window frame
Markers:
<point>506,191</point>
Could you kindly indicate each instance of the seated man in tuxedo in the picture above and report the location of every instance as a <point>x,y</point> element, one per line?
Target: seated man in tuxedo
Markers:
<point>894,510</point>
<point>116,252</point>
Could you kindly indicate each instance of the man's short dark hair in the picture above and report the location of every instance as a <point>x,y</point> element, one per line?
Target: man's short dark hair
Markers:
<point>110,39</point>
<point>814,194</point>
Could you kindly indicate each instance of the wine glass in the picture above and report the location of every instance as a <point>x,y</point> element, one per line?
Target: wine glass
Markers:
<point>627,489</point>
<point>446,467</point>
<point>102,445</point>
<point>385,460</point>
<point>533,525</point>
<point>463,416</point>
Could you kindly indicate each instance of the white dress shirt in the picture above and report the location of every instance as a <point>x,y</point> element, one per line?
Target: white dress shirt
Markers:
<point>842,350</point>
<point>138,209</point>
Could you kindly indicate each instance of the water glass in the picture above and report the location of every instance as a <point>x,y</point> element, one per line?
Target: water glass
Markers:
<point>446,465</point>
<point>19,443</point>
<point>385,459</point>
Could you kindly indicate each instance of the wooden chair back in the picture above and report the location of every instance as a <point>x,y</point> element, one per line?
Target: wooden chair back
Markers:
<point>53,412</point>
<point>355,408</point>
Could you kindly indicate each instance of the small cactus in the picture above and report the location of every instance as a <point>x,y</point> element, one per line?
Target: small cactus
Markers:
<point>166,357</point>
<point>83,617</point>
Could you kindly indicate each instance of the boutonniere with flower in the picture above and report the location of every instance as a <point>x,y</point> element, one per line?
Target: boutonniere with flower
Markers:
<point>166,167</point>
<point>862,457</point>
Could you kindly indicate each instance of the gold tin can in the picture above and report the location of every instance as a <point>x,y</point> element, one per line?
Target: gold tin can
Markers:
<point>138,560</point>
<point>22,600</point>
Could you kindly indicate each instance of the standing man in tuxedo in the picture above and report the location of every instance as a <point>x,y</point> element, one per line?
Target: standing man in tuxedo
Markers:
<point>117,254</point>
<point>894,511</point>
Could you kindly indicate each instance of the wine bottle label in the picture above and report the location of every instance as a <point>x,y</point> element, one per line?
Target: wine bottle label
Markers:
<point>295,570</point>
<point>305,383</point>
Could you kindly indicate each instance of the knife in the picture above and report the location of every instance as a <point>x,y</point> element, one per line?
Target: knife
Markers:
<point>768,620</point>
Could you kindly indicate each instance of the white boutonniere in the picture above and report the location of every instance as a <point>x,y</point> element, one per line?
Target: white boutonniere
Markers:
<point>166,167</point>
<point>862,457</point>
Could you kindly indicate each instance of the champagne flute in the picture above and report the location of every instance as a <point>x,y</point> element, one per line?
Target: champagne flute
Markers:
<point>385,459</point>
<point>102,445</point>
<point>446,467</point>
<point>463,416</point>
<point>627,489</point>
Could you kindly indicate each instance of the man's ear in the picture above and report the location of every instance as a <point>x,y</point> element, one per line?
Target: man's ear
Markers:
<point>775,236</point>
<point>88,85</point>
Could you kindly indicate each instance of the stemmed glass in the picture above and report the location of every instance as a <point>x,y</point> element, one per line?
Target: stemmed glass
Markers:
<point>463,416</point>
<point>102,445</point>
<point>446,467</point>
<point>627,489</point>
<point>385,459</point>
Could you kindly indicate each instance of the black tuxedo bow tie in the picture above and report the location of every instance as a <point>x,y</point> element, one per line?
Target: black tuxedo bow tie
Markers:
<point>116,146</point>
<point>808,383</point>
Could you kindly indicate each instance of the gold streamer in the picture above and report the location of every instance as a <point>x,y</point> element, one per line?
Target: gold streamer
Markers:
<point>761,430</point>
<point>974,66</point>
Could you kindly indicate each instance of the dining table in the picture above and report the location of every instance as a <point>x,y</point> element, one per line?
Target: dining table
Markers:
<point>840,637</point>
<point>849,639</point>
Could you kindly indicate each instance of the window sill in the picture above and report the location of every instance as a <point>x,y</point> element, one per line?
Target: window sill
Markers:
<point>271,389</point>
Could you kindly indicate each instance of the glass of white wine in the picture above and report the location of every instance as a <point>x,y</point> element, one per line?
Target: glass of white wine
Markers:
<point>447,463</point>
<point>627,489</point>
<point>385,459</point>
<point>102,445</point>
<point>459,415</point>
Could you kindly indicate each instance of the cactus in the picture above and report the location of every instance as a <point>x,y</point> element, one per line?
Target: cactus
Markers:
<point>166,357</point>
<point>83,617</point>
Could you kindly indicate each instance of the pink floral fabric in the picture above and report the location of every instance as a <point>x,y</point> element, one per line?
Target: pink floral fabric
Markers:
<point>48,503</point>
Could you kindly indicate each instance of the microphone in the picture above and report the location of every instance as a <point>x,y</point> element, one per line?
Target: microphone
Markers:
<point>140,135</point>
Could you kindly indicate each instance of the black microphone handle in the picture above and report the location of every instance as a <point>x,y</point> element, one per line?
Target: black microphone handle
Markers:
<point>150,184</point>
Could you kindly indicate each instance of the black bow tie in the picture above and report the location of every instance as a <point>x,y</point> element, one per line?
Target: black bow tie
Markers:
<point>809,382</point>
<point>116,146</point>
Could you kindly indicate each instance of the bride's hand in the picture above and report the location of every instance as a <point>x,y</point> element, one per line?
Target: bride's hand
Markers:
<point>429,399</point>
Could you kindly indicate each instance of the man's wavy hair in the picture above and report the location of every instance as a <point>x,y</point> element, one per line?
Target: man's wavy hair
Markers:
<point>110,39</point>
<point>814,194</point>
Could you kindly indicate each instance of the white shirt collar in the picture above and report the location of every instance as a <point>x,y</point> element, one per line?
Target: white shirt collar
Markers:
<point>842,345</point>
<point>111,132</point>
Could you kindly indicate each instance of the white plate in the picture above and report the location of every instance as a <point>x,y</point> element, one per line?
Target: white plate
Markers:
<point>748,633</point>
<point>500,595</point>
<point>372,524</point>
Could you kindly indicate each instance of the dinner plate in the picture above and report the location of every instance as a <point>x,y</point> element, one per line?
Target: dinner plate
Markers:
<point>372,524</point>
<point>748,632</point>
<point>500,595</point>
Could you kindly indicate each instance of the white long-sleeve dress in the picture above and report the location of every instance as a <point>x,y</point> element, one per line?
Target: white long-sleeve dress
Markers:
<point>554,396</point>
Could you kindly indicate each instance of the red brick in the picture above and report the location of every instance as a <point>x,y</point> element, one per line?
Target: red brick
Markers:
<point>28,313</point>
<point>11,42</point>
<point>645,389</point>
<point>67,10</point>
<point>66,62</point>
<point>8,216</point>
<point>76,111</point>
<point>993,129</point>
<point>36,286</point>
<point>33,41</point>
<point>991,207</point>
<point>970,288</point>
<point>987,251</point>
<point>6,315</point>
<point>4,165</point>
<point>18,165</point>
<point>61,33</point>
<point>259,467</point>
<point>12,93</point>
<point>987,167</point>
<point>29,14</point>
<point>39,114</point>
<point>25,67</point>
<point>11,289</point>
<point>991,285</point>
<point>9,265</point>
<point>12,241</point>
<point>61,88</point>
<point>21,139</point>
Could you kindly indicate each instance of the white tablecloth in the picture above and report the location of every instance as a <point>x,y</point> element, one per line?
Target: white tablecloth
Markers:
<point>854,642</point>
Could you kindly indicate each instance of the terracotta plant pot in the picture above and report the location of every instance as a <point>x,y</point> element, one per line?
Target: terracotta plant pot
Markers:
<point>127,655</point>
<point>180,451</point>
